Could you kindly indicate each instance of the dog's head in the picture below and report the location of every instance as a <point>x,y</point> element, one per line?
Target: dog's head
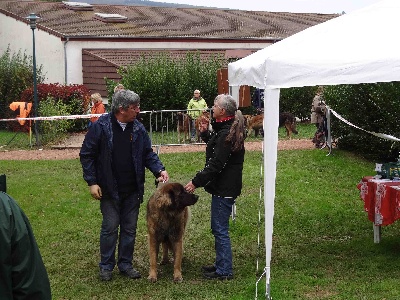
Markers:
<point>180,117</point>
<point>204,118</point>
<point>173,196</point>
<point>247,119</point>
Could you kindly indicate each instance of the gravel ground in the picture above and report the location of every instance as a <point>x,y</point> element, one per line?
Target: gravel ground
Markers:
<point>70,149</point>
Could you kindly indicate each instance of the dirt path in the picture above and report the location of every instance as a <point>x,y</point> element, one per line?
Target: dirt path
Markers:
<point>71,149</point>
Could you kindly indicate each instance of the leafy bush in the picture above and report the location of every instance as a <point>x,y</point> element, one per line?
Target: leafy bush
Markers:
<point>165,82</point>
<point>372,107</point>
<point>16,75</point>
<point>53,131</point>
<point>75,96</point>
<point>297,101</point>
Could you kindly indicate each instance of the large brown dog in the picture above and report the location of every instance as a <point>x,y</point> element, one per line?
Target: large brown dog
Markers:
<point>167,216</point>
<point>203,118</point>
<point>182,126</point>
<point>286,120</point>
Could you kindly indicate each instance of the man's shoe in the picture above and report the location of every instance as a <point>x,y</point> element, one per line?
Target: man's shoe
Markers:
<point>105,275</point>
<point>131,273</point>
<point>208,269</point>
<point>215,275</point>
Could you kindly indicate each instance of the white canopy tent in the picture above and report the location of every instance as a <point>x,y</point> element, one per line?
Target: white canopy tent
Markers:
<point>359,47</point>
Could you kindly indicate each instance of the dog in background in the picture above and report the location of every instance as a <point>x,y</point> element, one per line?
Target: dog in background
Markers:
<point>247,119</point>
<point>286,119</point>
<point>255,123</point>
<point>182,126</point>
<point>203,118</point>
<point>167,216</point>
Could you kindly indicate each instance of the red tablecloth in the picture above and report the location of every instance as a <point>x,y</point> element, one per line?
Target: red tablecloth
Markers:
<point>381,199</point>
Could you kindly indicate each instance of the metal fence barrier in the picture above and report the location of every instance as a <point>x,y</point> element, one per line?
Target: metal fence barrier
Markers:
<point>162,127</point>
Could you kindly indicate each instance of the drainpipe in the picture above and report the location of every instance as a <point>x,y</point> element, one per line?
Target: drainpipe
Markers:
<point>65,61</point>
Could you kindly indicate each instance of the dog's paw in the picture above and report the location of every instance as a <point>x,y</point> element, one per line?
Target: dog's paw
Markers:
<point>152,278</point>
<point>178,279</point>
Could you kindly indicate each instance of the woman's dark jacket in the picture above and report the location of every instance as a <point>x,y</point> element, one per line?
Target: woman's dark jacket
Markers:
<point>96,156</point>
<point>222,174</point>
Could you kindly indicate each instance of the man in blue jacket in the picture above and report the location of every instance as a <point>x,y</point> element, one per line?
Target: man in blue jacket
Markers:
<point>23,275</point>
<point>114,154</point>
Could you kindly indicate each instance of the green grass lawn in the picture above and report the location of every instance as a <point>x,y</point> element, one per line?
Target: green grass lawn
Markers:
<point>322,241</point>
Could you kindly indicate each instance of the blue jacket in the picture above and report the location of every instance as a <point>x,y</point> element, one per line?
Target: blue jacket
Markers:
<point>96,156</point>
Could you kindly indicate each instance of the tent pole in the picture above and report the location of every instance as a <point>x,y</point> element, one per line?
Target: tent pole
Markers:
<point>271,123</point>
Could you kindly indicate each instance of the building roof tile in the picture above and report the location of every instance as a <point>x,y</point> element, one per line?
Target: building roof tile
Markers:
<point>163,22</point>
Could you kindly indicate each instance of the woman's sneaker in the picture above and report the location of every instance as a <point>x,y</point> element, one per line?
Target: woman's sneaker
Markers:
<point>215,275</point>
<point>208,269</point>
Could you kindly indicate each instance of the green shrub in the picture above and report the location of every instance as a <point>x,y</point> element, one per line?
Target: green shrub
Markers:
<point>16,75</point>
<point>373,107</point>
<point>297,101</point>
<point>166,82</point>
<point>53,131</point>
<point>75,96</point>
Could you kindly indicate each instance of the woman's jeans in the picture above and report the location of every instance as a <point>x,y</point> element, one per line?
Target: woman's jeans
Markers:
<point>123,214</point>
<point>221,209</point>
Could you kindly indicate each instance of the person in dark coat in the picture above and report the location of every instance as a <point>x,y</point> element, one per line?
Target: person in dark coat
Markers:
<point>114,154</point>
<point>23,275</point>
<point>222,178</point>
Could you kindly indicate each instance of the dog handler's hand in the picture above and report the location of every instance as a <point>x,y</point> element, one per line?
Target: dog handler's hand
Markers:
<point>163,176</point>
<point>190,187</point>
<point>95,191</point>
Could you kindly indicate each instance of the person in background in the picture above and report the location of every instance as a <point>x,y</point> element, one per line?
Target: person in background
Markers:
<point>198,103</point>
<point>114,154</point>
<point>222,178</point>
<point>317,117</point>
<point>118,87</point>
<point>97,107</point>
<point>22,272</point>
<point>316,111</point>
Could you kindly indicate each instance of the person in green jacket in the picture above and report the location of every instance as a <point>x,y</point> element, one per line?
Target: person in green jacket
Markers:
<point>198,103</point>
<point>23,275</point>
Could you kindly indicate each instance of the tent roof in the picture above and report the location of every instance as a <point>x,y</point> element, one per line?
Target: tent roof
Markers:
<point>360,47</point>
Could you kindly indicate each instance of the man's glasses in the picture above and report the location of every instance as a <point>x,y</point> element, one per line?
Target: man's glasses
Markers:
<point>216,105</point>
<point>135,107</point>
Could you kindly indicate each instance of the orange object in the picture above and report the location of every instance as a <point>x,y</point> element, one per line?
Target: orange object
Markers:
<point>24,110</point>
<point>97,108</point>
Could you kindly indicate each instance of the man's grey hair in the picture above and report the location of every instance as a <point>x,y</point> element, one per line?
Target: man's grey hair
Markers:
<point>123,99</point>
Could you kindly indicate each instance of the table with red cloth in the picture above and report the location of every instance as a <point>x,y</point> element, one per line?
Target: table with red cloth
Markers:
<point>381,201</point>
